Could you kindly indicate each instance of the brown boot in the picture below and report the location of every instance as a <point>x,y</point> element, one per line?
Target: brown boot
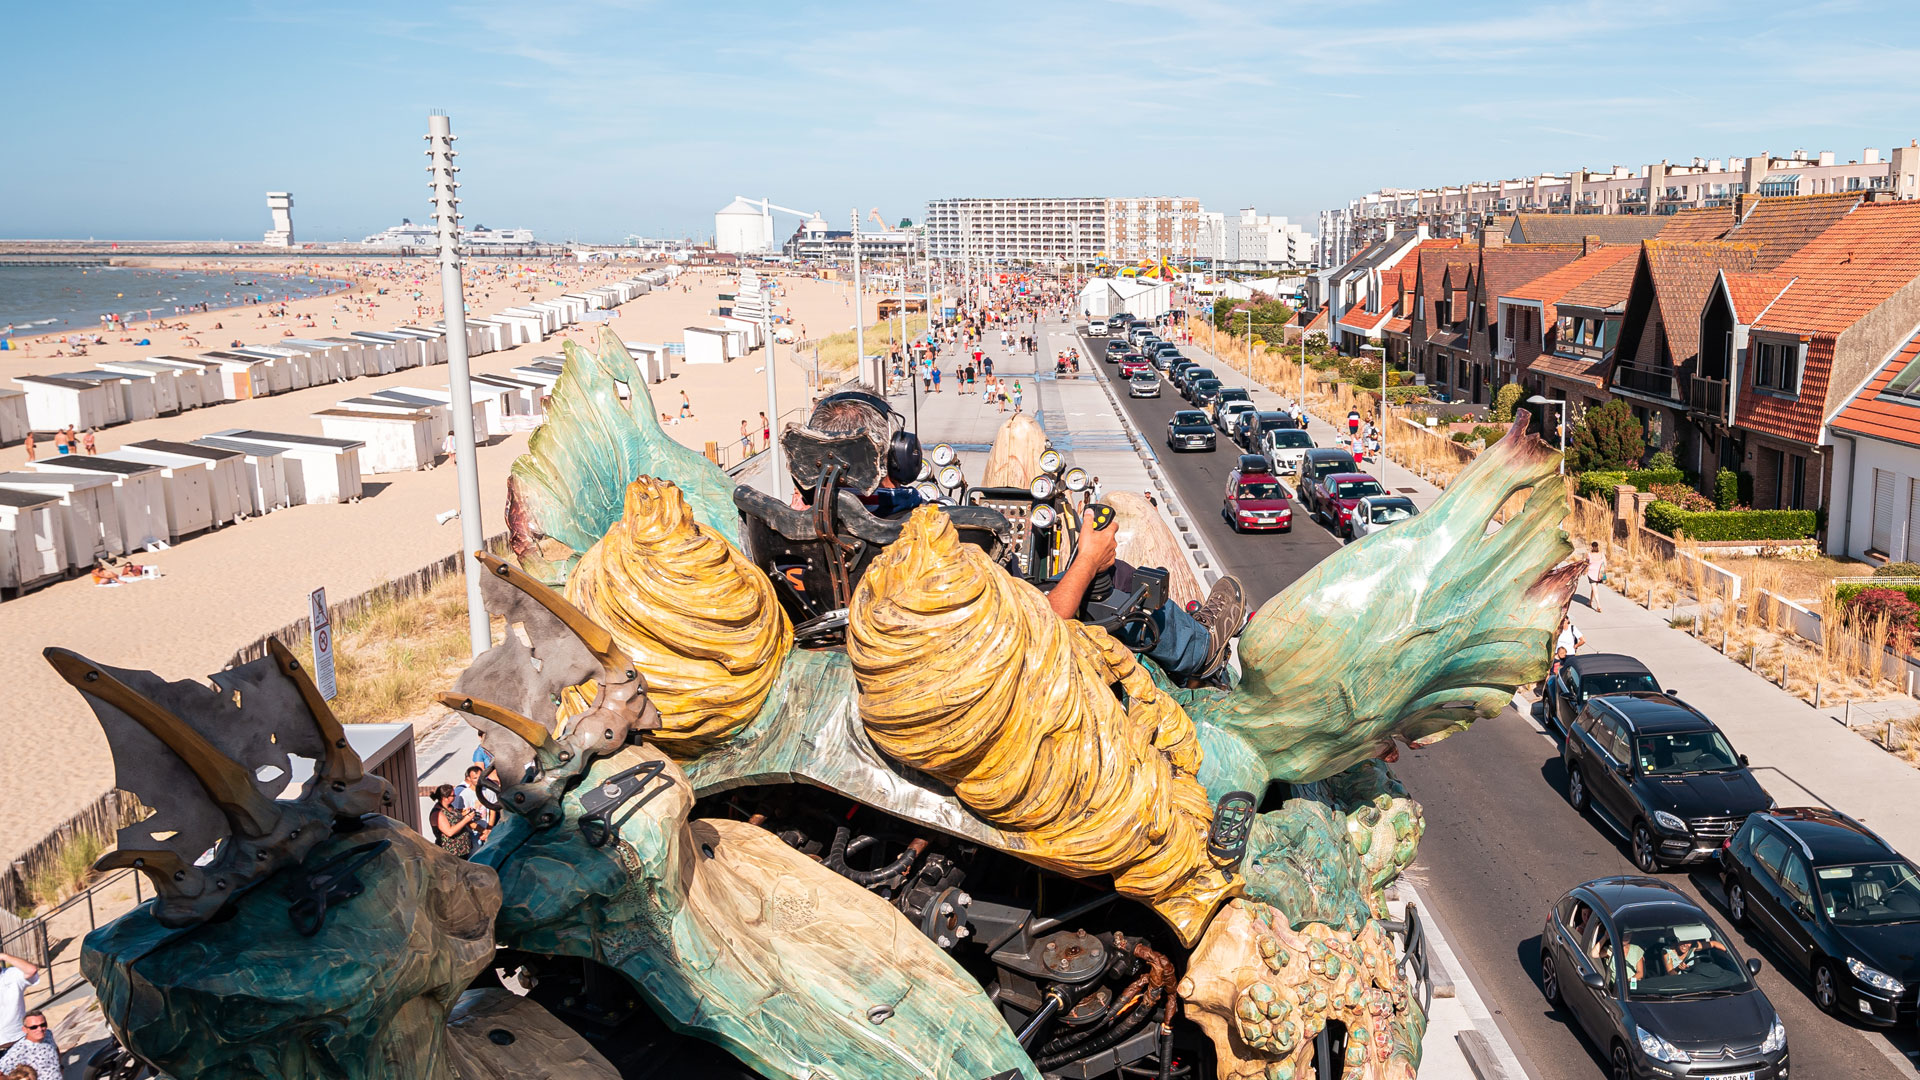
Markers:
<point>1224,612</point>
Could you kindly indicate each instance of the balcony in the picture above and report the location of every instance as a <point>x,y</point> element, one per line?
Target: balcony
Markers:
<point>1708,396</point>
<point>1576,351</point>
<point>1652,383</point>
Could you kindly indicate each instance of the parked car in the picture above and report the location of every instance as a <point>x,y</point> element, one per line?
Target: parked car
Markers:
<point>1656,986</point>
<point>1201,392</point>
<point>1836,903</point>
<point>1137,334</point>
<point>1226,394</point>
<point>1376,512</point>
<point>1286,447</point>
<point>1166,361</point>
<point>1189,430</point>
<point>1097,328</point>
<point>1147,385</point>
<point>1581,677</point>
<point>1255,497</point>
<point>1659,773</point>
<point>1166,348</point>
<point>1340,493</point>
<point>1116,347</point>
<point>1135,366</point>
<point>1315,465</point>
<point>1226,414</point>
<point>1177,369</point>
<point>1191,376</point>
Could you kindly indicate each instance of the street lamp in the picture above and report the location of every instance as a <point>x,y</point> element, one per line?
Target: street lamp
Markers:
<point>1539,399</point>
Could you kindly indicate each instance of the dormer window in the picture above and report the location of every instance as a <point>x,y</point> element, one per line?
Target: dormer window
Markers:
<point>1777,364</point>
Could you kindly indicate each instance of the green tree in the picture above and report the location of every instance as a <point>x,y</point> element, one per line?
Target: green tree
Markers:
<point>1608,437</point>
<point>1504,402</point>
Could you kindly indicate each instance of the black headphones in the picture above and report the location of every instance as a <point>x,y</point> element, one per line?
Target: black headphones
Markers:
<point>903,449</point>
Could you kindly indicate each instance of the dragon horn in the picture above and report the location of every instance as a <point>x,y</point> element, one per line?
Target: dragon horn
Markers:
<point>598,641</point>
<point>531,732</point>
<point>231,789</point>
<point>341,763</point>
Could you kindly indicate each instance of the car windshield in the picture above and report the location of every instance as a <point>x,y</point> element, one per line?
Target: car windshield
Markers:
<point>1291,439</point>
<point>1388,513</point>
<point>1616,682</point>
<point>1188,416</point>
<point>1684,959</point>
<point>1265,489</point>
<point>1233,394</point>
<point>1685,752</point>
<point>1145,380</point>
<point>1358,489</point>
<point>1869,893</point>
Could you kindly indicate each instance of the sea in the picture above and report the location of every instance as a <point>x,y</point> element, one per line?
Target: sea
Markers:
<point>51,299</point>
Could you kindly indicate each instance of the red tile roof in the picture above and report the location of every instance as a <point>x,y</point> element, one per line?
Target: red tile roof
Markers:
<point>1883,416</point>
<point>1852,268</point>
<point>1358,318</point>
<point>1700,223</point>
<point>1683,273</point>
<point>1319,321</point>
<point>1551,286</point>
<point>1782,226</point>
<point>1398,325</point>
<point>1753,293</point>
<point>1586,371</point>
<point>1606,290</point>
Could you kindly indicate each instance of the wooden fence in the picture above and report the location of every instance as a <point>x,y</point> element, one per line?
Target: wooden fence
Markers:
<point>103,819</point>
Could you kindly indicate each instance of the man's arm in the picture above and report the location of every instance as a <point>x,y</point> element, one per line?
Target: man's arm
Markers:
<point>30,970</point>
<point>1094,555</point>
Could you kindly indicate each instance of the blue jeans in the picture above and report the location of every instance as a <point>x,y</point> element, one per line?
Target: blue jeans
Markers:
<point>1182,649</point>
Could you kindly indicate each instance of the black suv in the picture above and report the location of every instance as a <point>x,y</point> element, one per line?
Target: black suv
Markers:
<point>1836,903</point>
<point>1661,774</point>
<point>1656,985</point>
<point>1115,347</point>
<point>1191,376</point>
<point>1581,677</point>
<point>1190,430</point>
<point>1316,465</point>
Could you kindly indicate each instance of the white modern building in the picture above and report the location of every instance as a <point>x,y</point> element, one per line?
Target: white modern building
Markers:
<point>280,205</point>
<point>741,228</point>
<point>478,240</point>
<point>1252,239</point>
<point>1018,230</point>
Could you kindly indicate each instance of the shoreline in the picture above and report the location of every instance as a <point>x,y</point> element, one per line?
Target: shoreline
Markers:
<point>42,334</point>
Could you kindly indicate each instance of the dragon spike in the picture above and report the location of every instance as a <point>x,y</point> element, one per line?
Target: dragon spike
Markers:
<point>597,640</point>
<point>531,732</point>
<point>226,782</point>
<point>341,763</point>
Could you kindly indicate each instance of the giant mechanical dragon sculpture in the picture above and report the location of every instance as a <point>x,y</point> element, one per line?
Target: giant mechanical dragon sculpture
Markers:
<point>874,861</point>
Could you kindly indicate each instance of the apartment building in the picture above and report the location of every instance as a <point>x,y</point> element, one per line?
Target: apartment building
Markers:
<point>1251,240</point>
<point>1153,228</point>
<point>1018,230</point>
<point>1654,189</point>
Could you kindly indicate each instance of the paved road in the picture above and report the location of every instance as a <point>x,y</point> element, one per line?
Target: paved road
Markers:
<point>1501,844</point>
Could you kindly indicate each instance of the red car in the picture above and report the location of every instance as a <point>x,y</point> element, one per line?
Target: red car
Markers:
<point>1256,500</point>
<point>1129,368</point>
<point>1343,492</point>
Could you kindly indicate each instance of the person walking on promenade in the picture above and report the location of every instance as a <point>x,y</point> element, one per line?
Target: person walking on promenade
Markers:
<point>766,430</point>
<point>936,380</point>
<point>1596,573</point>
<point>60,444</point>
<point>1016,395</point>
<point>746,440</point>
<point>686,406</point>
<point>1353,423</point>
<point>452,829</point>
<point>86,442</point>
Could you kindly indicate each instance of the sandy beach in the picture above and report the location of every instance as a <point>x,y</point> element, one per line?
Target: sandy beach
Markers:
<point>224,588</point>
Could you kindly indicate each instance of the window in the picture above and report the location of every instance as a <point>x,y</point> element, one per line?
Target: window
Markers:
<point>1913,520</point>
<point>1794,882</point>
<point>1882,540</point>
<point>1869,893</point>
<point>1770,853</point>
<point>1776,366</point>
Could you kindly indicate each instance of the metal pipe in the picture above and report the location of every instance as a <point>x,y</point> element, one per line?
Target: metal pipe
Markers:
<point>459,381</point>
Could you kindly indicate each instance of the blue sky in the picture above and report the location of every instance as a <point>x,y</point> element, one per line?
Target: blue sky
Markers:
<point>597,118</point>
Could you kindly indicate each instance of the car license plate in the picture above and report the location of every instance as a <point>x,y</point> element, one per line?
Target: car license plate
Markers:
<point>1748,1075</point>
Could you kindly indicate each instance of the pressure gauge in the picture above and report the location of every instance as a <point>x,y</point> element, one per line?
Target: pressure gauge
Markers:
<point>926,470</point>
<point>943,454</point>
<point>927,491</point>
<point>950,477</point>
<point>1076,479</point>
<point>1042,517</point>
<point>1051,461</point>
<point>1043,487</point>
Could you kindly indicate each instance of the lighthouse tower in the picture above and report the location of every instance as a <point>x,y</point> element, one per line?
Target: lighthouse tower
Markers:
<point>280,204</point>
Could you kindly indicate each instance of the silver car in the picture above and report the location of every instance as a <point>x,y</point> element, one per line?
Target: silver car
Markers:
<point>1376,512</point>
<point>1146,384</point>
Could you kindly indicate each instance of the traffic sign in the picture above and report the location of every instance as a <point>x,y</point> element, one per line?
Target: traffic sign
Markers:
<point>322,642</point>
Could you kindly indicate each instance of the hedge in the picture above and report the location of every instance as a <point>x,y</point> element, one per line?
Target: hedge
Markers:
<point>1848,591</point>
<point>1600,483</point>
<point>1732,524</point>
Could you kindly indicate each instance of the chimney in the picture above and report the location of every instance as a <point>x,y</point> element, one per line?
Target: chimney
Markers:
<point>1742,203</point>
<point>1590,244</point>
<point>1389,235</point>
<point>1826,157</point>
<point>1493,235</point>
<point>1870,156</point>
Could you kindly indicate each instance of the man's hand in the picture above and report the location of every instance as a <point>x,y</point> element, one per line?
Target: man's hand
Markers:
<point>1095,553</point>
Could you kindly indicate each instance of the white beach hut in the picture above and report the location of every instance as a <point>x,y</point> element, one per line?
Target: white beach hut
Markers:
<point>227,485</point>
<point>526,398</point>
<point>397,441</point>
<point>140,493</point>
<point>90,511</point>
<point>433,343</point>
<point>54,403</point>
<point>341,359</point>
<point>265,468</point>
<point>652,360</point>
<point>320,469</point>
<point>165,381</point>
<point>303,368</point>
<point>188,486</point>
<point>131,396</point>
<point>32,546</point>
<point>243,378</point>
<point>13,417</point>
<point>199,384</point>
<point>706,345</point>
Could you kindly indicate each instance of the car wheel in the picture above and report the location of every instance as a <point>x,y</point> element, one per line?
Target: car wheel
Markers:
<point>1576,789</point>
<point>1550,978</point>
<point>1621,1066</point>
<point>1737,905</point>
<point>1826,988</point>
<point>1643,849</point>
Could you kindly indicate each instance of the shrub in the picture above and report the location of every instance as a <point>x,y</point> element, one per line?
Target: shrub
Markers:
<point>1683,496</point>
<point>1462,437</point>
<point>1726,489</point>
<point>1504,403</point>
<point>1599,483</point>
<point>1665,517</point>
<point>1899,569</point>
<point>1894,605</point>
<point>1489,433</point>
<point>1661,461</point>
<point>1608,437</point>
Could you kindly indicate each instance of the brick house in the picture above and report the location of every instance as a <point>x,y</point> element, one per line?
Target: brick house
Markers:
<point>1553,331</point>
<point>1874,443</point>
<point>1504,269</point>
<point>1782,349</point>
<point>1451,314</point>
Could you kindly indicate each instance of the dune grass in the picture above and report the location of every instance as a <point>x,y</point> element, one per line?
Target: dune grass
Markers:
<point>838,352</point>
<point>391,659</point>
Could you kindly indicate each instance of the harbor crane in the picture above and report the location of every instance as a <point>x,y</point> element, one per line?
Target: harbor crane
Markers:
<point>766,214</point>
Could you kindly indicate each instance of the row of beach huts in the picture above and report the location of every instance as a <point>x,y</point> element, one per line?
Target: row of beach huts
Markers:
<point>66,512</point>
